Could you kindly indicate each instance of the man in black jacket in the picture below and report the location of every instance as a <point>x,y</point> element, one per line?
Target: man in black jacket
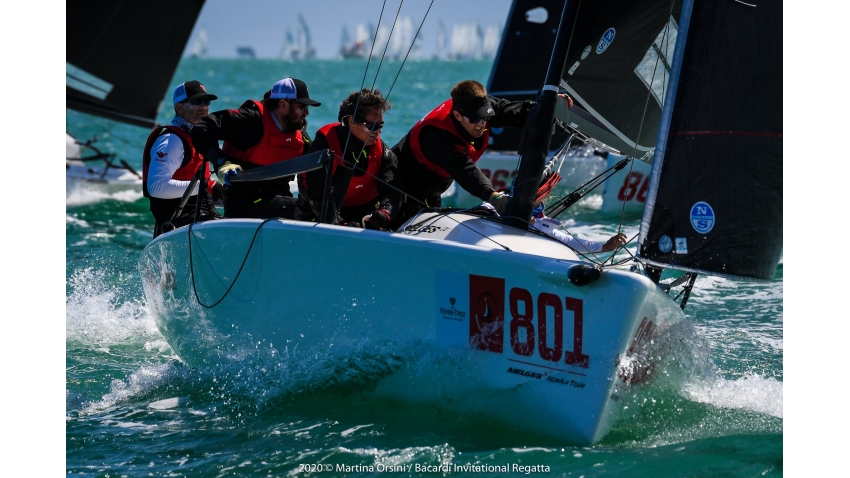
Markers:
<point>258,134</point>
<point>445,145</point>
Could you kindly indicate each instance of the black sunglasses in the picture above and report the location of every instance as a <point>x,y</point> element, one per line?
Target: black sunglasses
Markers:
<point>303,107</point>
<point>199,102</point>
<point>372,126</point>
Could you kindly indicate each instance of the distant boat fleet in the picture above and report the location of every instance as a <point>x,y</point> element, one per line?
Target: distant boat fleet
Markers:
<point>468,41</point>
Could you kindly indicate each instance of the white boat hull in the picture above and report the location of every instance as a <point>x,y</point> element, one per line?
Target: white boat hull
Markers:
<point>78,174</point>
<point>416,288</point>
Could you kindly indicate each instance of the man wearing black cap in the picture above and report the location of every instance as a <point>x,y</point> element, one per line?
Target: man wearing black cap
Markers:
<point>258,134</point>
<point>444,146</point>
<point>170,162</point>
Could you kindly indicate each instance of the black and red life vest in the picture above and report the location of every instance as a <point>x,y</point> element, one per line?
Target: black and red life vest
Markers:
<point>275,145</point>
<point>441,117</point>
<point>192,160</point>
<point>363,188</point>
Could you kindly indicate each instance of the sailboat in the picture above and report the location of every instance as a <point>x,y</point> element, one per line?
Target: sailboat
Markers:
<point>111,74</point>
<point>510,312</point>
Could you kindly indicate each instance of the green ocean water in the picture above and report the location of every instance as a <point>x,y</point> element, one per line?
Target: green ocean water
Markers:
<point>133,409</point>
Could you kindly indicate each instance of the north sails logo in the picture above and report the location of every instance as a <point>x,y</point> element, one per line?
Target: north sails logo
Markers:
<point>606,40</point>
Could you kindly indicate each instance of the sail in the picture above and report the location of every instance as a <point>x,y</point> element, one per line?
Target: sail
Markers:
<point>115,66</point>
<point>616,66</point>
<point>715,199</point>
<point>521,60</point>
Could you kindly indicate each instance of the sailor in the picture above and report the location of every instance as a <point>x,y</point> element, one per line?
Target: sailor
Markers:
<point>552,228</point>
<point>257,134</point>
<point>366,189</point>
<point>445,145</point>
<point>170,161</point>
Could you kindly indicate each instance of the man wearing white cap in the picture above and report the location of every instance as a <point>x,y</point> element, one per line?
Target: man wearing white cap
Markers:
<point>170,162</point>
<point>257,134</point>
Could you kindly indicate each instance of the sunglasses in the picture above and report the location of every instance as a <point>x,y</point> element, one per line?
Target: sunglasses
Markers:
<point>303,107</point>
<point>200,102</point>
<point>478,120</point>
<point>372,126</point>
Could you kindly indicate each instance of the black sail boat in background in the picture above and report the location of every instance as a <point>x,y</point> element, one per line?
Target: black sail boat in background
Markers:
<point>619,52</point>
<point>117,69</point>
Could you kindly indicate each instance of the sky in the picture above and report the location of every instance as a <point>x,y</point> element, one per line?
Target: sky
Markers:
<point>262,24</point>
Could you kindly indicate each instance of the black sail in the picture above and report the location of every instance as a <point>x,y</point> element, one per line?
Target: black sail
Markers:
<point>522,59</point>
<point>121,55</point>
<point>715,201</point>
<point>617,67</point>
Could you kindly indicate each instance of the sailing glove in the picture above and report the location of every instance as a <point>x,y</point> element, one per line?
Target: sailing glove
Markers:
<point>379,219</point>
<point>228,171</point>
<point>499,201</point>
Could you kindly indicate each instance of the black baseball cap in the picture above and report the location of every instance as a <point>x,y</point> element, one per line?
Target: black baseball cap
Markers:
<point>191,90</point>
<point>475,108</point>
<point>292,89</point>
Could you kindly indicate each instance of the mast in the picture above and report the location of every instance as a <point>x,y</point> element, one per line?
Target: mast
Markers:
<point>539,127</point>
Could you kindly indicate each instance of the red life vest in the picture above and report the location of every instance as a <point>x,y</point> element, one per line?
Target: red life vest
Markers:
<point>275,145</point>
<point>364,188</point>
<point>192,160</point>
<point>441,117</point>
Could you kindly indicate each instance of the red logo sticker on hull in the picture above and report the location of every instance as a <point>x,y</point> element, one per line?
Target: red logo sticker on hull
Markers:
<point>487,313</point>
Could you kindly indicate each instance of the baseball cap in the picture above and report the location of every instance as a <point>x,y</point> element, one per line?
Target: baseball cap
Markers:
<point>191,90</point>
<point>292,89</point>
<point>476,108</point>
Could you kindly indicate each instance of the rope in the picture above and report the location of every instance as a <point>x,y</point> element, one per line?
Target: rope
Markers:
<point>244,260</point>
<point>665,38</point>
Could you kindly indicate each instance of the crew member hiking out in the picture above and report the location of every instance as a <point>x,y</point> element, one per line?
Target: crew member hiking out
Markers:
<point>257,134</point>
<point>445,145</point>
<point>365,187</point>
<point>170,161</point>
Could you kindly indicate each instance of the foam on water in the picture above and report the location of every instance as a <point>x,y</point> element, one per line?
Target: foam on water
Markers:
<point>77,194</point>
<point>752,392</point>
<point>141,383</point>
<point>101,315</point>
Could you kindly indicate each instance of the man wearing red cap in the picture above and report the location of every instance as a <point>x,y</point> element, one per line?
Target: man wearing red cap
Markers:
<point>445,145</point>
<point>170,161</point>
<point>257,134</point>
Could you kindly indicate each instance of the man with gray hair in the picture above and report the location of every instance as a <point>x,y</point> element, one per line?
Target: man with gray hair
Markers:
<point>171,160</point>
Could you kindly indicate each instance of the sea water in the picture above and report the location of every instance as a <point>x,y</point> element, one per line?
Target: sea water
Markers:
<point>133,408</point>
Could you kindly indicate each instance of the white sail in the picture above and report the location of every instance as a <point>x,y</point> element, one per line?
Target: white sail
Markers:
<point>441,41</point>
<point>199,47</point>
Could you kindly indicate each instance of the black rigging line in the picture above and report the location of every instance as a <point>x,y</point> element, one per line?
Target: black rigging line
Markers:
<point>413,42</point>
<point>363,82</point>
<point>421,24</point>
<point>383,55</point>
<point>666,37</point>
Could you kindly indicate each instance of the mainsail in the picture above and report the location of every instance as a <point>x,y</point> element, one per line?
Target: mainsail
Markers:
<point>715,199</point>
<point>115,67</point>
